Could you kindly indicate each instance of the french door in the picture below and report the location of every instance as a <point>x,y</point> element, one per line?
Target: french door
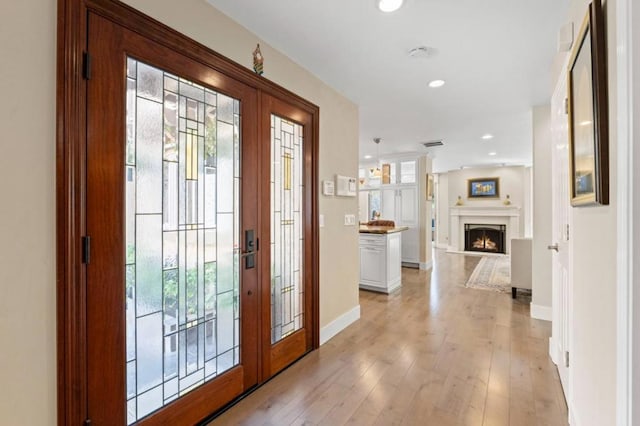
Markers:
<point>172,202</point>
<point>287,227</point>
<point>200,254</point>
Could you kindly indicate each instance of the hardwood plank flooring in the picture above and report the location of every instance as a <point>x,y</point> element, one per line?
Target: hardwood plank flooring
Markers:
<point>432,353</point>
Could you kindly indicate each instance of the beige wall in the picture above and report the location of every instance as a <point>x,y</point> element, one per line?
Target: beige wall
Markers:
<point>593,323</point>
<point>27,213</point>
<point>442,210</point>
<point>425,210</point>
<point>27,168</point>
<point>542,225</point>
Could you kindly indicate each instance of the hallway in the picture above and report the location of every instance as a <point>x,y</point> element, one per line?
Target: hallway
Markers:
<point>432,353</point>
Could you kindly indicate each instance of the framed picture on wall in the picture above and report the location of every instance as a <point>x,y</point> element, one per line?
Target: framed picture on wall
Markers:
<point>386,174</point>
<point>429,187</point>
<point>588,112</point>
<point>484,188</point>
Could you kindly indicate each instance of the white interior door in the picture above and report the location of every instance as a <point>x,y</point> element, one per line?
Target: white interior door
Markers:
<point>561,246</point>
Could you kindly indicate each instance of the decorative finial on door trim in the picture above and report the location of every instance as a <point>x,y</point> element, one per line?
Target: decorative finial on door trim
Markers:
<point>258,60</point>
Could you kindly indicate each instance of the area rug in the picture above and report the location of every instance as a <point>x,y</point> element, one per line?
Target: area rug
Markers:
<point>492,273</point>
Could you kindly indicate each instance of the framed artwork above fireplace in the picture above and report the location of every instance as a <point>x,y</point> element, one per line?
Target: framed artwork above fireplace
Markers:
<point>484,188</point>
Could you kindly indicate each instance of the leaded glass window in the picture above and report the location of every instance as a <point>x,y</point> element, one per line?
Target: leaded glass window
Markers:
<point>287,237</point>
<point>182,174</point>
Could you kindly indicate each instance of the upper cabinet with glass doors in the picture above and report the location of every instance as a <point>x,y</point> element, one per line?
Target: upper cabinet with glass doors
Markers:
<point>387,172</point>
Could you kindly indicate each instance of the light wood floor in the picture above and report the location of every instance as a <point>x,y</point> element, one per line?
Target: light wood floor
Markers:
<point>433,353</point>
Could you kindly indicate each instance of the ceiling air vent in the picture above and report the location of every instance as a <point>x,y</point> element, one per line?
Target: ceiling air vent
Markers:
<point>421,52</point>
<point>431,144</point>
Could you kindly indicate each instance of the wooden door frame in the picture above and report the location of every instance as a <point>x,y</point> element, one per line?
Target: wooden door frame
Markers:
<point>71,105</point>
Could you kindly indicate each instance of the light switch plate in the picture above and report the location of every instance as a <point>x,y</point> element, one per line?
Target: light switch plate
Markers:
<point>328,188</point>
<point>321,221</point>
<point>349,219</point>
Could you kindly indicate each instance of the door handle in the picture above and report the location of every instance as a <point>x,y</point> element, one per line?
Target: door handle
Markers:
<point>250,244</point>
<point>553,247</point>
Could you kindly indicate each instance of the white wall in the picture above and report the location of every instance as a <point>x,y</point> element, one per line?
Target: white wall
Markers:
<point>542,207</point>
<point>512,182</point>
<point>593,323</point>
<point>27,182</point>
<point>635,283</point>
<point>528,202</point>
<point>27,213</point>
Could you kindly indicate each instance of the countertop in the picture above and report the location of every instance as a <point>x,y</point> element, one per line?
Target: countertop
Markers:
<point>364,229</point>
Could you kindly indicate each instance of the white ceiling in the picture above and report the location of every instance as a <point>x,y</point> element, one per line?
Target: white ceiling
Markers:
<point>495,56</point>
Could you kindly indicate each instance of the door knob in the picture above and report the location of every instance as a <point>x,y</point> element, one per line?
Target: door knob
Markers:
<point>553,247</point>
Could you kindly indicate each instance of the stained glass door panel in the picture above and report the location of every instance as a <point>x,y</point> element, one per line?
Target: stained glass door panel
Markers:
<point>168,202</point>
<point>182,227</point>
<point>287,236</point>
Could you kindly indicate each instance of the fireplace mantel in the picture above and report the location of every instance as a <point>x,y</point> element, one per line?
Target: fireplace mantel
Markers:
<point>490,215</point>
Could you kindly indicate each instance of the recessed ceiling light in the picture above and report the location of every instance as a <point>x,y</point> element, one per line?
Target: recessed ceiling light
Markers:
<point>436,83</point>
<point>487,137</point>
<point>492,153</point>
<point>367,157</point>
<point>389,5</point>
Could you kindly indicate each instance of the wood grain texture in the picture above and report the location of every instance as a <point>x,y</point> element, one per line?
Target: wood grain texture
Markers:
<point>70,188</point>
<point>433,353</point>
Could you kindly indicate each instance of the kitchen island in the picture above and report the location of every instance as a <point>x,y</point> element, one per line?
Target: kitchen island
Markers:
<point>380,258</point>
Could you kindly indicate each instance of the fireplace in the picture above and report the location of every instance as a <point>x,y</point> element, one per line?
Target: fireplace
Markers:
<point>485,238</point>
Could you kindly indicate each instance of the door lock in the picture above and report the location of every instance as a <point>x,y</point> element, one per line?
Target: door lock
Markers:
<point>250,246</point>
<point>553,247</point>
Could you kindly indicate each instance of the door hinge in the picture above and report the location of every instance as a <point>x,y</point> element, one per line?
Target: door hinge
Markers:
<point>567,232</point>
<point>86,249</point>
<point>87,422</point>
<point>86,66</point>
<point>566,106</point>
<point>566,359</point>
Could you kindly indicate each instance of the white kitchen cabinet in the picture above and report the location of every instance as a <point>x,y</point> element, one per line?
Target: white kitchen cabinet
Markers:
<point>380,262</point>
<point>401,205</point>
<point>398,201</point>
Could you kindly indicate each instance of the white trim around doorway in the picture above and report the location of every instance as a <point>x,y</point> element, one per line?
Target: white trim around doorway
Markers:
<point>628,160</point>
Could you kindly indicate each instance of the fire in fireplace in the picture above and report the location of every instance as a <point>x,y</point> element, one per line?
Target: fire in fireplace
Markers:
<point>484,238</point>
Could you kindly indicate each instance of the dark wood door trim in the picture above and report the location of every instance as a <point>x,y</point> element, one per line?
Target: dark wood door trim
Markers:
<point>71,104</point>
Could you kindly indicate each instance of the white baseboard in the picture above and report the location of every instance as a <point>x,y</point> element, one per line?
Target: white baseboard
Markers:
<point>425,266</point>
<point>541,312</point>
<point>339,324</point>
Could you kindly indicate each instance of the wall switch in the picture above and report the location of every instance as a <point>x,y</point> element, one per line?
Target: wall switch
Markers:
<point>321,221</point>
<point>349,219</point>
